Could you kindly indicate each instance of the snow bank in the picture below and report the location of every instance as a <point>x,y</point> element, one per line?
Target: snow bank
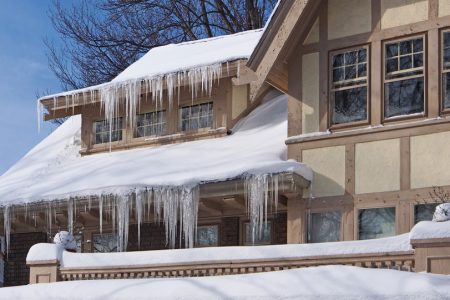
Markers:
<point>430,230</point>
<point>328,282</point>
<point>54,169</point>
<point>225,254</point>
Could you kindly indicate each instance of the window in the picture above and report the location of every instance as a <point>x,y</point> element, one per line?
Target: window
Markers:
<point>376,223</point>
<point>264,238</point>
<point>207,236</point>
<point>102,131</point>
<point>79,242</point>
<point>424,212</point>
<point>151,124</point>
<point>446,69</point>
<point>196,116</point>
<point>105,242</point>
<point>349,86</point>
<point>324,227</point>
<point>404,81</point>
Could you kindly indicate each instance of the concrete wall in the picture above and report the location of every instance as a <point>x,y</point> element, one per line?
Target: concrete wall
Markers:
<point>377,166</point>
<point>310,93</point>
<point>348,17</point>
<point>329,171</point>
<point>402,12</point>
<point>430,160</point>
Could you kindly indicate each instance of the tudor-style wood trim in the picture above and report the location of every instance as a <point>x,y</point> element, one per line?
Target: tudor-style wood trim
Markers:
<point>323,66</point>
<point>405,163</point>
<point>350,169</point>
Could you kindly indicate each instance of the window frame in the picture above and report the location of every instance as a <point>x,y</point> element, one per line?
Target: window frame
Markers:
<point>442,71</point>
<point>195,103</point>
<point>423,114</point>
<point>332,90</point>
<point>94,132</point>
<point>144,137</point>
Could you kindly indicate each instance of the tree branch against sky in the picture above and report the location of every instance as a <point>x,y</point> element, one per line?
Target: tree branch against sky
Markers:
<point>101,38</point>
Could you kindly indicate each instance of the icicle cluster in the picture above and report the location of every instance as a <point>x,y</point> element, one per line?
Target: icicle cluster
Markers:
<point>261,193</point>
<point>126,94</point>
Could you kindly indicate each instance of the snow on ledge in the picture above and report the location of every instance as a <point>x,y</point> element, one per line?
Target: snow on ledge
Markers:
<point>220,254</point>
<point>44,252</point>
<point>430,230</point>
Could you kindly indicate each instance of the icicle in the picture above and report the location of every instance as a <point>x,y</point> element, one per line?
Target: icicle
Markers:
<point>70,207</point>
<point>123,217</point>
<point>138,211</point>
<point>7,226</point>
<point>49,218</point>
<point>100,212</point>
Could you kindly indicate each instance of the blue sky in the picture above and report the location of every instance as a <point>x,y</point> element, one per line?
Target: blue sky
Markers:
<point>23,72</point>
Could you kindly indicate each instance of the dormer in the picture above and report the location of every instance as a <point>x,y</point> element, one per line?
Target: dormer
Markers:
<point>174,93</point>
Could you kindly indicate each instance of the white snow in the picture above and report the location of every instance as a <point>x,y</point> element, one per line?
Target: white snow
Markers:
<point>54,169</point>
<point>328,282</point>
<point>398,244</point>
<point>442,213</point>
<point>45,252</point>
<point>430,230</point>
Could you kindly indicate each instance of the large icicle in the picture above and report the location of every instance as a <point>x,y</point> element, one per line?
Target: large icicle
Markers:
<point>123,218</point>
<point>7,226</point>
<point>261,192</point>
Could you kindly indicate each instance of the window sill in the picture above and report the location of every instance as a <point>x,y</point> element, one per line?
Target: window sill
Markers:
<point>327,135</point>
<point>160,140</point>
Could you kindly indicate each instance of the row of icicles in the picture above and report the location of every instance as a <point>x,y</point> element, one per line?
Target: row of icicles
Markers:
<point>176,207</point>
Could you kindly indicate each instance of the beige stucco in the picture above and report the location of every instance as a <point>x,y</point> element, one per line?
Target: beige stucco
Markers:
<point>314,34</point>
<point>310,93</point>
<point>402,12</point>
<point>348,17</point>
<point>328,165</point>
<point>377,166</point>
<point>238,100</point>
<point>444,8</point>
<point>430,160</point>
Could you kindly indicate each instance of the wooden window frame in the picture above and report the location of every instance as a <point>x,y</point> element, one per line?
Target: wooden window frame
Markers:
<point>196,103</point>
<point>94,133</point>
<point>135,137</point>
<point>442,71</point>
<point>423,114</point>
<point>331,89</point>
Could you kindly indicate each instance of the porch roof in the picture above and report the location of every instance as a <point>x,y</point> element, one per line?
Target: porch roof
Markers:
<point>54,169</point>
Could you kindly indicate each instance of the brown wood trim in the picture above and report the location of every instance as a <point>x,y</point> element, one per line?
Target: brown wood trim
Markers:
<point>350,169</point>
<point>405,164</point>
<point>323,67</point>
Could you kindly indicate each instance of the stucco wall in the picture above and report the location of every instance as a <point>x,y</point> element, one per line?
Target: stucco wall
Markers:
<point>402,12</point>
<point>444,8</point>
<point>328,165</point>
<point>348,17</point>
<point>310,93</point>
<point>377,166</point>
<point>314,34</point>
<point>238,100</point>
<point>430,160</point>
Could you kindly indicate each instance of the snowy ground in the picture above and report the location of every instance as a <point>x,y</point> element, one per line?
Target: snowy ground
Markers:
<point>329,282</point>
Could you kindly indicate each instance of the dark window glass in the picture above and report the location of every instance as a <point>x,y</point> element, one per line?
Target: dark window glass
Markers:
<point>446,88</point>
<point>105,242</point>
<point>151,124</point>
<point>324,227</point>
<point>349,87</point>
<point>207,236</point>
<point>103,133</point>
<point>197,116</point>
<point>404,97</point>
<point>446,70</point>
<point>424,212</point>
<point>376,223</point>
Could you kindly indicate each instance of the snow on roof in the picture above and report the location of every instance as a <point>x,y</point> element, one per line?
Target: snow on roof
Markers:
<point>173,58</point>
<point>325,282</point>
<point>54,169</point>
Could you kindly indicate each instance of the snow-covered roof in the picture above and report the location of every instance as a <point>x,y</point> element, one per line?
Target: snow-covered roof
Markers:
<point>174,58</point>
<point>54,169</point>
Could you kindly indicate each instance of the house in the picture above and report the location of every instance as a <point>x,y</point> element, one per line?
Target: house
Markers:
<point>330,124</point>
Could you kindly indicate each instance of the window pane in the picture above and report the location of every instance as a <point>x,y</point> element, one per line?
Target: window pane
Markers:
<point>405,47</point>
<point>392,65</point>
<point>350,105</point>
<point>376,223</point>
<point>424,212</point>
<point>103,132</point>
<point>338,74</point>
<point>418,45</point>
<point>447,56</point>
<point>151,124</point>
<point>106,242</point>
<point>261,238</point>
<point>392,50</point>
<point>405,62</point>
<point>196,116</point>
<point>446,39</point>
<point>362,55</point>
<point>404,97</point>
<point>350,72</point>
<point>446,89</point>
<point>350,57</point>
<point>338,60</point>
<point>418,60</point>
<point>207,236</point>
<point>324,227</point>
<point>362,70</point>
